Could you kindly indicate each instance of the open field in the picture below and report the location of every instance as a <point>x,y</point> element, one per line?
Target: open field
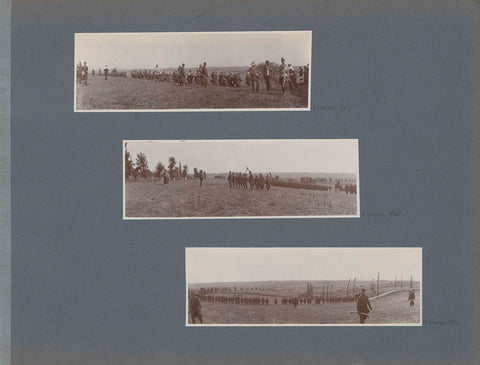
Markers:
<point>129,93</point>
<point>216,199</point>
<point>389,309</point>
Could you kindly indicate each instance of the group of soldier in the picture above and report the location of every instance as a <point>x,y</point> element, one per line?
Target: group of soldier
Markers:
<point>244,180</point>
<point>287,75</point>
<point>82,72</point>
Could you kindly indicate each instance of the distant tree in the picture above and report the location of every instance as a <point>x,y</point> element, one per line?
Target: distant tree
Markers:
<point>159,169</point>
<point>185,171</point>
<point>171,166</point>
<point>128,165</point>
<point>142,165</point>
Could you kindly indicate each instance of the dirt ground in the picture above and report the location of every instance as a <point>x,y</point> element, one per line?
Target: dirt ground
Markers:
<point>391,309</point>
<point>130,93</point>
<point>216,199</point>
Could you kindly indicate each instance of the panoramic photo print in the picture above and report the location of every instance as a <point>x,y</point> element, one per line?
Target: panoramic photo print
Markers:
<point>303,286</point>
<point>194,71</point>
<point>167,179</point>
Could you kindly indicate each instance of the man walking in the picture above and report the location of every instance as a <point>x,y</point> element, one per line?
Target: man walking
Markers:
<point>363,306</point>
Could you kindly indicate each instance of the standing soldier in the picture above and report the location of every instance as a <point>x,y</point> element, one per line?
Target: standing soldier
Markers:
<point>195,308</point>
<point>283,75</point>
<point>93,73</point>
<point>292,77</point>
<point>363,306</point>
<point>411,297</point>
<point>181,74</point>
<point>85,72</point>
<point>204,74</point>
<point>267,181</point>
<point>254,77</point>
<point>267,71</point>
<point>230,179</point>
<point>201,177</point>
<point>105,71</point>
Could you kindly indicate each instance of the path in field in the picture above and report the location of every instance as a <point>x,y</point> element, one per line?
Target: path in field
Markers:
<point>391,309</point>
<point>216,199</point>
<point>129,93</point>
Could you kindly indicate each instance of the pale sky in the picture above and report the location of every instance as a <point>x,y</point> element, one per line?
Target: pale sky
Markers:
<point>220,156</point>
<point>217,264</point>
<point>145,50</point>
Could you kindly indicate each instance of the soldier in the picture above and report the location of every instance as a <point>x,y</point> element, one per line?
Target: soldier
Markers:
<point>156,74</point>
<point>267,181</point>
<point>230,179</point>
<point>411,297</point>
<point>248,78</point>
<point>204,74</point>
<point>105,71</point>
<point>363,306</point>
<point>267,71</point>
<point>93,73</point>
<point>85,72</point>
<point>283,75</point>
<point>201,177</point>
<point>292,77</point>
<point>195,308</point>
<point>181,74</point>
<point>306,71</point>
<point>254,77</point>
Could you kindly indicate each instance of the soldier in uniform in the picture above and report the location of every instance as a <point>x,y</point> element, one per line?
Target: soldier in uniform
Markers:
<point>195,308</point>
<point>105,71</point>
<point>201,177</point>
<point>267,72</point>
<point>363,306</point>
<point>230,179</point>
<point>411,297</point>
<point>204,74</point>
<point>181,74</point>
<point>283,75</point>
<point>292,77</point>
<point>85,72</point>
<point>254,77</point>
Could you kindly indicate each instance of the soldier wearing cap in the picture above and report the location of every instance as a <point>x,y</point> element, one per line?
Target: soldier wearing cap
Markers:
<point>411,297</point>
<point>363,306</point>
<point>105,71</point>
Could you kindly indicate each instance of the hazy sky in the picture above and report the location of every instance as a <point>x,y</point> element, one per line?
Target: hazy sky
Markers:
<point>145,50</point>
<point>293,155</point>
<point>253,264</point>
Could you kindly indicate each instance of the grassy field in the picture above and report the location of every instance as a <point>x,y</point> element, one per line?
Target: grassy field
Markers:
<point>130,93</point>
<point>216,199</point>
<point>390,309</point>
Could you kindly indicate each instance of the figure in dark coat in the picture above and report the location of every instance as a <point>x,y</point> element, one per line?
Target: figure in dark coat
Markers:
<point>195,308</point>
<point>363,306</point>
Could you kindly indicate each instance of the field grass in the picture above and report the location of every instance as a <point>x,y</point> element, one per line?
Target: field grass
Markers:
<point>216,199</point>
<point>390,309</point>
<point>130,93</point>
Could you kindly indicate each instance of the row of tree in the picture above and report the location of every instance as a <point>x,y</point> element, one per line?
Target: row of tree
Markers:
<point>140,169</point>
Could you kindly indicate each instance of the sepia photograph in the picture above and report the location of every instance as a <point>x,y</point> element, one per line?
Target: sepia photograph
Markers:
<point>289,178</point>
<point>193,71</point>
<point>303,286</point>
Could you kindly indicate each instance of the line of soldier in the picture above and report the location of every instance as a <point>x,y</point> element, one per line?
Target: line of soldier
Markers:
<point>236,299</point>
<point>244,180</point>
